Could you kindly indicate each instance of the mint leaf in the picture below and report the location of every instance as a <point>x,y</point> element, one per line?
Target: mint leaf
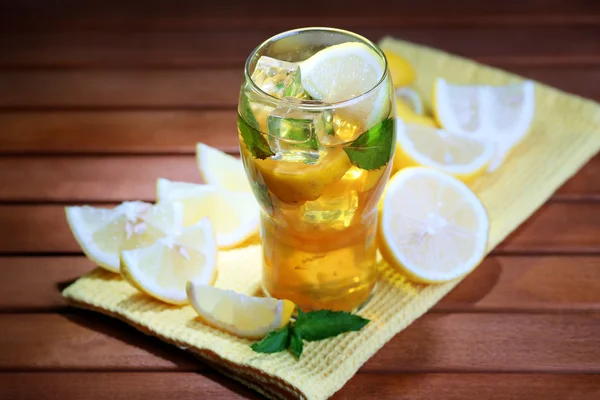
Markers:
<point>373,148</point>
<point>296,344</point>
<point>323,324</point>
<point>275,341</point>
<point>254,140</point>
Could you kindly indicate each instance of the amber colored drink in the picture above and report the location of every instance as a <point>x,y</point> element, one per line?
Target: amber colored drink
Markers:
<point>319,207</point>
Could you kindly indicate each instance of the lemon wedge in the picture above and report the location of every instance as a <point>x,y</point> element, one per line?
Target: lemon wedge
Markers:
<point>163,269</point>
<point>221,169</point>
<point>102,233</point>
<point>411,98</point>
<point>403,74</point>
<point>239,314</point>
<point>432,227</point>
<point>464,156</point>
<point>235,216</point>
<point>345,71</point>
<point>501,113</point>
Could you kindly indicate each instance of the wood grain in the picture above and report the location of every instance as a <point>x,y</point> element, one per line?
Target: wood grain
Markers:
<point>86,179</point>
<point>194,87</point>
<point>105,178</point>
<point>217,48</point>
<point>189,15</point>
<point>188,386</point>
<point>437,342</point>
<point>499,284</point>
<point>555,228</point>
<point>117,131</point>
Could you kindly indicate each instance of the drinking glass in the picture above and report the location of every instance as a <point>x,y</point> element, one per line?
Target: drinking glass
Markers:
<point>317,169</point>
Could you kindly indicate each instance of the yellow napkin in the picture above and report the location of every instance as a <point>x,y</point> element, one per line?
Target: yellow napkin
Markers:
<point>565,134</point>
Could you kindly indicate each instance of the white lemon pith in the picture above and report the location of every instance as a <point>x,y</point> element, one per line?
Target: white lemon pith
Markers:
<point>343,72</point>
<point>102,233</point>
<point>411,98</point>
<point>235,216</point>
<point>501,113</point>
<point>239,314</point>
<point>221,169</point>
<point>463,156</point>
<point>432,227</point>
<point>163,269</point>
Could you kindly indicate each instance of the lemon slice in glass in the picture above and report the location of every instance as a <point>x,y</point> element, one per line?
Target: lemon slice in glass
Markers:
<point>501,113</point>
<point>163,269</point>
<point>345,71</point>
<point>239,314</point>
<point>235,216</point>
<point>221,169</point>
<point>102,233</point>
<point>433,228</point>
<point>464,156</point>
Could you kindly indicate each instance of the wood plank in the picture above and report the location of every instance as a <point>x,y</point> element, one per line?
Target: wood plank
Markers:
<point>184,386</point>
<point>105,178</point>
<point>190,15</point>
<point>211,48</point>
<point>499,284</point>
<point>87,341</point>
<point>88,179</point>
<point>437,342</point>
<point>117,131</point>
<point>193,87</point>
<point>558,227</point>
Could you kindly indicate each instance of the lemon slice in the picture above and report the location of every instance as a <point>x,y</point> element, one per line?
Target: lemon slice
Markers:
<point>221,169</point>
<point>102,233</point>
<point>345,71</point>
<point>433,228</point>
<point>464,156</point>
<point>235,215</point>
<point>403,74</point>
<point>500,113</point>
<point>411,98</point>
<point>163,269</point>
<point>239,314</point>
<point>295,182</point>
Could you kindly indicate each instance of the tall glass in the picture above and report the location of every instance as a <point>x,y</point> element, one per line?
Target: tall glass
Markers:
<point>317,169</point>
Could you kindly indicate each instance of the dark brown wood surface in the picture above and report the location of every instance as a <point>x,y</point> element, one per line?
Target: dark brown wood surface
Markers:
<point>100,98</point>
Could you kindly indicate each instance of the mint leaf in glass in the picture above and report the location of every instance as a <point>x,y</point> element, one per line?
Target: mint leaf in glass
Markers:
<point>373,148</point>
<point>323,324</point>
<point>274,342</point>
<point>254,140</point>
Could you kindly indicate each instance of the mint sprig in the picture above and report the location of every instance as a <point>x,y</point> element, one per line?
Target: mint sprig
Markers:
<point>254,140</point>
<point>373,148</point>
<point>274,342</point>
<point>310,326</point>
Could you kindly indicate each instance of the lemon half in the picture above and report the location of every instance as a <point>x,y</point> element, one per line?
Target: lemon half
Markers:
<point>432,227</point>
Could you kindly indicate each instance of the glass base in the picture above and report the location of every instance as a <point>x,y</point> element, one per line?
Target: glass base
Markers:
<point>353,311</point>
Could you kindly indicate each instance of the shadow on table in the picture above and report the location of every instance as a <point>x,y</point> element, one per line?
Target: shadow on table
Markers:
<point>182,361</point>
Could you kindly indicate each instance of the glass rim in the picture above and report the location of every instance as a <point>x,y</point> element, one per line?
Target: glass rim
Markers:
<point>308,106</point>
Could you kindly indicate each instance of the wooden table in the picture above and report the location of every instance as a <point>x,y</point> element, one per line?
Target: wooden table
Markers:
<point>99,99</point>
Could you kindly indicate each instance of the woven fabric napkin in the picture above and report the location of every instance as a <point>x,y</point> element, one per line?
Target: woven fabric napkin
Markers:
<point>565,134</point>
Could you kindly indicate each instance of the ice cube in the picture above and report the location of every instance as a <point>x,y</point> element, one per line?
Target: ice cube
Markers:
<point>294,134</point>
<point>278,78</point>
